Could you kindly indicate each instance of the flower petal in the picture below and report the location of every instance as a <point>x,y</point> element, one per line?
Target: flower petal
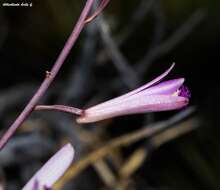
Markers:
<point>142,88</point>
<point>167,87</point>
<point>151,83</point>
<point>148,98</point>
<point>133,105</point>
<point>53,169</point>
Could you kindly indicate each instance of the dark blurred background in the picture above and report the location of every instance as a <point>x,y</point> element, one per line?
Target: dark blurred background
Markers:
<point>130,44</point>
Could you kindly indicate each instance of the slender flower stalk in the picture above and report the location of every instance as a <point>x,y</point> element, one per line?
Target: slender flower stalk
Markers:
<point>50,75</point>
<point>60,108</point>
<point>154,96</point>
<point>151,97</point>
<point>52,170</point>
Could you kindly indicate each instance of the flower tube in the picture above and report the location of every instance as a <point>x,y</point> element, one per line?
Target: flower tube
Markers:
<point>154,96</point>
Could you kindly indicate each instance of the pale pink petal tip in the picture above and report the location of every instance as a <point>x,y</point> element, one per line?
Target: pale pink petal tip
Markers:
<point>53,169</point>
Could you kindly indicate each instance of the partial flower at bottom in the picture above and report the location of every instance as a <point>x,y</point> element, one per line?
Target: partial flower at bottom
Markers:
<point>52,170</point>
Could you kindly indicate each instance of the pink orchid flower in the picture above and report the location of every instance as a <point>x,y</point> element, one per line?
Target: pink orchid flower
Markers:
<point>52,170</point>
<point>151,97</point>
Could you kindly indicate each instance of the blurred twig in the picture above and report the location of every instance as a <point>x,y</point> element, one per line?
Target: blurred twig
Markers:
<point>136,160</point>
<point>133,162</point>
<point>144,7</point>
<point>18,149</point>
<point>80,76</point>
<point>166,46</point>
<point>115,54</point>
<point>126,140</point>
<point>105,173</point>
<point>18,95</point>
<point>159,25</point>
<point>2,180</point>
<point>15,96</point>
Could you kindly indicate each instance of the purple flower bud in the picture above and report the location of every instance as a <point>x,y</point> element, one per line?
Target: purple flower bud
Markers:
<point>151,97</point>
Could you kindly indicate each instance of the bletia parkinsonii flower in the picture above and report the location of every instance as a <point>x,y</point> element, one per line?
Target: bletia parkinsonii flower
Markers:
<point>151,97</point>
<point>52,170</point>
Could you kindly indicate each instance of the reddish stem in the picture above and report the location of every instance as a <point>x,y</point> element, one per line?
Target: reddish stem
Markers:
<point>50,75</point>
<point>62,108</point>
